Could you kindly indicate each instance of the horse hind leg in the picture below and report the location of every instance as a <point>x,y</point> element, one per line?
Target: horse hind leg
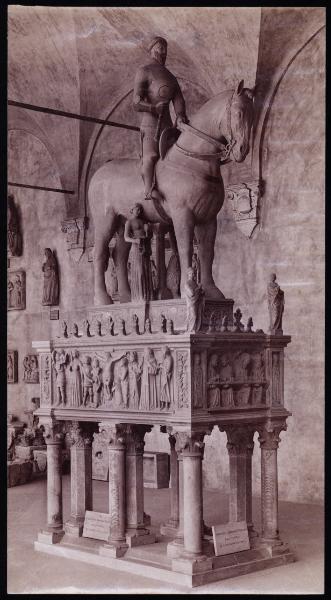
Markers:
<point>184,230</point>
<point>104,232</point>
<point>206,235</point>
<point>121,255</point>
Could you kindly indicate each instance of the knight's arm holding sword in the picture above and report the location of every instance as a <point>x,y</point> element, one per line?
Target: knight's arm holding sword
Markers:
<point>154,88</point>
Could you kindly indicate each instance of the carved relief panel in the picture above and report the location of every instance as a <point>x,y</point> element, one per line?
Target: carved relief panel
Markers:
<point>199,378</point>
<point>45,379</point>
<point>12,366</point>
<point>31,369</point>
<point>236,379</point>
<point>120,380</point>
<point>16,290</point>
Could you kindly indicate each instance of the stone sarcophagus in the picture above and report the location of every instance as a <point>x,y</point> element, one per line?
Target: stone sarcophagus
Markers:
<point>163,378</point>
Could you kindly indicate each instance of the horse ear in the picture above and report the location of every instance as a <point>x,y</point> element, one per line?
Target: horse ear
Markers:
<point>240,87</point>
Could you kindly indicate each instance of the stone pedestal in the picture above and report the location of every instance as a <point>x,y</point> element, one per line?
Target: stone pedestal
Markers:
<point>240,448</point>
<point>117,545</point>
<point>81,479</point>
<point>137,533</point>
<point>54,440</point>
<point>171,527</point>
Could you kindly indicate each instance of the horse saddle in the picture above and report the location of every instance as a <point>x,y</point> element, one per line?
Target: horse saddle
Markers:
<point>168,137</point>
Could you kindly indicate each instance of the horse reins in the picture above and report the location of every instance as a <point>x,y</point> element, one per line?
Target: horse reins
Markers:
<point>226,146</point>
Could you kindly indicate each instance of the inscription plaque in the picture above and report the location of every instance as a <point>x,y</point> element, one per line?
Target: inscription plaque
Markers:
<point>97,525</point>
<point>231,537</point>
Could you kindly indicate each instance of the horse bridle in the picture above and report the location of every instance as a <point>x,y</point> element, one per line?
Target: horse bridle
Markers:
<point>225,145</point>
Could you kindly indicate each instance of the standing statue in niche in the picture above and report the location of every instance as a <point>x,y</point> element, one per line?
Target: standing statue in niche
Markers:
<point>60,360</point>
<point>276,301</point>
<point>154,88</point>
<point>149,396</point>
<point>135,371</point>
<point>51,279</point>
<point>257,375</point>
<point>214,393</point>
<point>13,232</point>
<point>276,383</point>
<point>139,235</point>
<point>226,378</point>
<point>120,391</point>
<point>194,302</point>
<point>76,394</point>
<point>166,368</point>
<point>241,365</point>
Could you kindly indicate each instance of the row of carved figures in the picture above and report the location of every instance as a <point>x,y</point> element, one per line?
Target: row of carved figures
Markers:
<point>122,382</point>
<point>236,379</point>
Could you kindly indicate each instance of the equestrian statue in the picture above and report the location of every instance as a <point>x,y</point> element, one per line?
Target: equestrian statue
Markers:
<point>184,187</point>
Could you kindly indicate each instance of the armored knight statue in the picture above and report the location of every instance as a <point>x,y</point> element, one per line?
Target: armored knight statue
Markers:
<point>154,88</point>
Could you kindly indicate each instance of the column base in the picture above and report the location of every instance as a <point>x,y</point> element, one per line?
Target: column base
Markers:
<point>272,547</point>
<point>175,548</point>
<point>171,528</point>
<point>113,549</point>
<point>190,564</point>
<point>48,536</point>
<point>139,537</point>
<point>74,527</point>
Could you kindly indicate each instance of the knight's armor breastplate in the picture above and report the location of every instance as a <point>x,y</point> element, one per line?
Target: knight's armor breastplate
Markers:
<point>161,88</point>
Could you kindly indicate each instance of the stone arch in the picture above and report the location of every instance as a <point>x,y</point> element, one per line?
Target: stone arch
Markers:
<point>257,158</point>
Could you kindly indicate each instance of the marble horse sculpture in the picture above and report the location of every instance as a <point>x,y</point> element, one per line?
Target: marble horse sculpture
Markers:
<point>189,179</point>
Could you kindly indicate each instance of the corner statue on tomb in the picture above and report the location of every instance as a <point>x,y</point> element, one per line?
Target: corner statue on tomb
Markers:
<point>179,359</point>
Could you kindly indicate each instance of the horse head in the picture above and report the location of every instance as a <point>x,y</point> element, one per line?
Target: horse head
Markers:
<point>240,121</point>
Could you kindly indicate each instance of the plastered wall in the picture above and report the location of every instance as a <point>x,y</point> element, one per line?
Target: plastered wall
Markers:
<point>84,60</point>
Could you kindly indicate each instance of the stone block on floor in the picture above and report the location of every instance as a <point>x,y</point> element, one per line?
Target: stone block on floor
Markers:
<point>19,472</point>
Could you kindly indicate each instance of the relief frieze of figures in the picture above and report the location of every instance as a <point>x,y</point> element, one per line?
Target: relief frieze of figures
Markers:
<point>235,379</point>
<point>115,380</point>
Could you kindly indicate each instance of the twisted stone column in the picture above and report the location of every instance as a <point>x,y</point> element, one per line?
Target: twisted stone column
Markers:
<point>81,478</point>
<point>136,530</point>
<point>117,545</point>
<point>54,439</point>
<point>269,441</point>
<point>240,448</point>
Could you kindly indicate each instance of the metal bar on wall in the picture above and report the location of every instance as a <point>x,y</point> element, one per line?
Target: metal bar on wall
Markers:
<point>70,115</point>
<point>38,187</point>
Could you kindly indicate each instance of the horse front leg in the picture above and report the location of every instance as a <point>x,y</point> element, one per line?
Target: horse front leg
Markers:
<point>184,230</point>
<point>102,236</point>
<point>206,235</point>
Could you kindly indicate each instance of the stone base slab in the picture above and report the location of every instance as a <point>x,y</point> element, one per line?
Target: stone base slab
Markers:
<point>192,565</point>
<point>139,538</point>
<point>50,537</point>
<point>175,548</point>
<point>113,550</point>
<point>223,567</point>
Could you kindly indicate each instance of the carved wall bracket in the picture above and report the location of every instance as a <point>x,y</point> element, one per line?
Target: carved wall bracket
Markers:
<point>245,202</point>
<point>74,229</point>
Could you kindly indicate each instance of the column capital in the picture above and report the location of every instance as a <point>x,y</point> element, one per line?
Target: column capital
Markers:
<point>113,434</point>
<point>79,437</point>
<point>53,430</point>
<point>190,442</point>
<point>269,434</point>
<point>134,437</point>
<point>240,438</point>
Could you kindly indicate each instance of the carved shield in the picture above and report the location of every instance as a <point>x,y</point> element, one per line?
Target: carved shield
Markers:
<point>168,137</point>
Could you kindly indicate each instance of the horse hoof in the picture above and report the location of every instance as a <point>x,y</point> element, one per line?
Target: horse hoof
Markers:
<point>102,299</point>
<point>213,293</point>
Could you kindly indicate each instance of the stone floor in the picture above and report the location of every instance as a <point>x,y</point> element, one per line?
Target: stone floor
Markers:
<point>301,525</point>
